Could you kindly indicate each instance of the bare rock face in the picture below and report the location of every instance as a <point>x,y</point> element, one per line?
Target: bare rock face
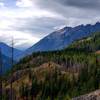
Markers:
<point>91,96</point>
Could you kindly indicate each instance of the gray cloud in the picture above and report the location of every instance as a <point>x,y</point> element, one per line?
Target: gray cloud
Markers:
<point>74,11</point>
<point>92,4</point>
<point>72,8</point>
<point>89,4</point>
<point>39,26</point>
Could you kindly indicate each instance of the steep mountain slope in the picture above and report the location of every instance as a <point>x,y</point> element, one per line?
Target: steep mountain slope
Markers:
<point>6,64</point>
<point>7,50</point>
<point>62,38</point>
<point>91,43</point>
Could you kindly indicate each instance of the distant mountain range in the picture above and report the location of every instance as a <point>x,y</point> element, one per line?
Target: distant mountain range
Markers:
<point>7,54</point>
<point>7,50</point>
<point>62,38</point>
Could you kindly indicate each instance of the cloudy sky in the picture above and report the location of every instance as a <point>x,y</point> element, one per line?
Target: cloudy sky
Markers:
<point>27,21</point>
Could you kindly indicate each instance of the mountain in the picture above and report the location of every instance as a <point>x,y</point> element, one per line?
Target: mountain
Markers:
<point>7,55</point>
<point>63,38</point>
<point>7,50</point>
<point>6,63</point>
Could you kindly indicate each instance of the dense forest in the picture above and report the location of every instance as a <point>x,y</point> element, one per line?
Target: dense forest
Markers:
<point>56,75</point>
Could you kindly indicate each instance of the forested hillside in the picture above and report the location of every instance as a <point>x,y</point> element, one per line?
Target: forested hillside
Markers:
<point>56,75</point>
<point>91,43</point>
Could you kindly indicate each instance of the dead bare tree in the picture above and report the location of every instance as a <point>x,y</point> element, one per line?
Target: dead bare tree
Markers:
<point>1,74</point>
<point>63,41</point>
<point>12,62</point>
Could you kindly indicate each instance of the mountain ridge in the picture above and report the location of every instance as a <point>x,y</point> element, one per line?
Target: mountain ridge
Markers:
<point>63,38</point>
<point>7,50</point>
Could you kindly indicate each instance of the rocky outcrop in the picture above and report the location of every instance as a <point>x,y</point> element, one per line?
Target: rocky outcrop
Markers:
<point>91,96</point>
